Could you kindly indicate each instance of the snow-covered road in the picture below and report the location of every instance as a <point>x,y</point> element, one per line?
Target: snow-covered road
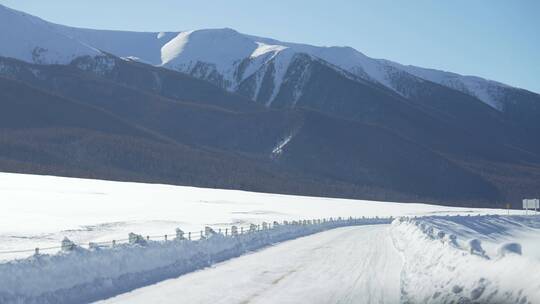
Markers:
<point>345,265</point>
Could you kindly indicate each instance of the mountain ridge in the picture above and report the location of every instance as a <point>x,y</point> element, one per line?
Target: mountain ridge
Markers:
<point>176,50</point>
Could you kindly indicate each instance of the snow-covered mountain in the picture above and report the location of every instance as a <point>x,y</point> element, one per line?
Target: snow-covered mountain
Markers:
<point>33,40</point>
<point>218,108</point>
<point>489,91</point>
<point>256,67</point>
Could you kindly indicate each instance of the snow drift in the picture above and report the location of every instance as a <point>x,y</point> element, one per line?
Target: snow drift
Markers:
<point>440,267</point>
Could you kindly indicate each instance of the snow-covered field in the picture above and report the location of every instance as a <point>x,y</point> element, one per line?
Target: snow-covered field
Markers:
<point>408,261</point>
<point>39,211</point>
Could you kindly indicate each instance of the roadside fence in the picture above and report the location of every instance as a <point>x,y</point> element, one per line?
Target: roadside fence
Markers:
<point>180,235</point>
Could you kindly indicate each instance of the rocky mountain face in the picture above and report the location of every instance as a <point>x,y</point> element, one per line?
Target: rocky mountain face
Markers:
<point>217,108</point>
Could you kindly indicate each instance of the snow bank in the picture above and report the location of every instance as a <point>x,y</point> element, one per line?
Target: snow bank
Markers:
<point>84,275</point>
<point>510,248</point>
<point>445,271</point>
<point>491,231</point>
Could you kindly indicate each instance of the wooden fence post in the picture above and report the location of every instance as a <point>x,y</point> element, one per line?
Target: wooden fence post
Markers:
<point>67,244</point>
<point>179,234</point>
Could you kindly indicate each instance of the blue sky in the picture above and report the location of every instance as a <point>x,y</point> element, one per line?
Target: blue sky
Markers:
<point>495,39</point>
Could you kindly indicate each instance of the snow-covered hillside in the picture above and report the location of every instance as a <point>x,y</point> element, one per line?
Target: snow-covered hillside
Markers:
<point>254,66</point>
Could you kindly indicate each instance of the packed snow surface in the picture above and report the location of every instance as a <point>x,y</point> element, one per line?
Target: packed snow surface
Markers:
<point>39,211</point>
<point>344,265</point>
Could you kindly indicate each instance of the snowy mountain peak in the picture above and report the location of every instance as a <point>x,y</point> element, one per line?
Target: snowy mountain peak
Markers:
<point>225,57</point>
<point>222,47</point>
